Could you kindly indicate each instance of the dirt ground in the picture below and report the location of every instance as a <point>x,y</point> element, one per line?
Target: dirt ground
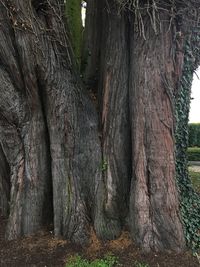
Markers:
<point>43,250</point>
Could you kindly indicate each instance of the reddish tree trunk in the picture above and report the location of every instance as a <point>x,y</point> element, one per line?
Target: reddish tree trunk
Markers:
<point>102,172</point>
<point>116,141</point>
<point>154,205</point>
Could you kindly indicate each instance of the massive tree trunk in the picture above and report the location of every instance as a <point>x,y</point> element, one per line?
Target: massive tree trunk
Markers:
<point>42,111</point>
<point>110,167</point>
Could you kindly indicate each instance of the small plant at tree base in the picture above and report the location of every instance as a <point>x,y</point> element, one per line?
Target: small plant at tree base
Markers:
<point>108,261</point>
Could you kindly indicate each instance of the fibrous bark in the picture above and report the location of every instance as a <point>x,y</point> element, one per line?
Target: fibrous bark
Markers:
<point>154,205</point>
<point>106,168</point>
<point>44,111</point>
<point>114,120</point>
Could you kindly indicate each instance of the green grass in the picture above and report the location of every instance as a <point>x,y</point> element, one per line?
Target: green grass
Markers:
<point>107,261</point>
<point>140,264</point>
<point>195,178</point>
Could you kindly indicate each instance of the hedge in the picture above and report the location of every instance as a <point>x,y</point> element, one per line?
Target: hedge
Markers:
<point>194,134</point>
<point>193,153</point>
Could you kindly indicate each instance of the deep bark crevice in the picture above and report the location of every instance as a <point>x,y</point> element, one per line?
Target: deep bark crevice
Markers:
<point>5,185</point>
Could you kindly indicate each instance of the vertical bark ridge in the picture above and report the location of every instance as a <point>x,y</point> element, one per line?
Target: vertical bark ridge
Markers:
<point>22,128</point>
<point>72,125</point>
<point>116,148</point>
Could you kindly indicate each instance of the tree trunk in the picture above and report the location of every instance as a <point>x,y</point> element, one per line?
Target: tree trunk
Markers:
<point>154,205</point>
<point>94,169</point>
<point>45,111</point>
<point>116,141</point>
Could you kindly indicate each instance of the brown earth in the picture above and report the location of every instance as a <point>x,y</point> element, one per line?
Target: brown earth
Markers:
<point>43,250</point>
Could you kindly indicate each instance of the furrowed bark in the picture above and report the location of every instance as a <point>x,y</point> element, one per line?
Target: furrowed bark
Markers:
<point>103,170</point>
<point>116,141</point>
<point>23,143</point>
<point>154,205</point>
<point>22,128</point>
<point>72,125</point>
<point>46,100</point>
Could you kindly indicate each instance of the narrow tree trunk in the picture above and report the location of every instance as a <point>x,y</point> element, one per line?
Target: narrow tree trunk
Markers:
<point>116,141</point>
<point>154,205</point>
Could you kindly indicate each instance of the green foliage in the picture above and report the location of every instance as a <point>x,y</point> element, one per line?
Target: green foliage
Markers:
<point>194,134</point>
<point>189,199</point>
<point>104,165</point>
<point>107,261</point>
<point>74,22</point>
<point>193,153</point>
<point>140,264</point>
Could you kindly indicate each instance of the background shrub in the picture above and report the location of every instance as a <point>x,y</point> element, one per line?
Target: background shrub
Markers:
<point>193,153</point>
<point>194,134</point>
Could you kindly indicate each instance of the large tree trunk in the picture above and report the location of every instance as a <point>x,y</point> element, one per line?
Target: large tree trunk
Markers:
<point>45,111</point>
<point>104,168</point>
<point>154,205</point>
<point>23,132</point>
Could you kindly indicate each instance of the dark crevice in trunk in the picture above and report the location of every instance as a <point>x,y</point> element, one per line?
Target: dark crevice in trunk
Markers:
<point>5,185</point>
<point>48,203</point>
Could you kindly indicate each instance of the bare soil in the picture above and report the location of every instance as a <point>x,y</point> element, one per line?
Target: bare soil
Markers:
<point>42,249</point>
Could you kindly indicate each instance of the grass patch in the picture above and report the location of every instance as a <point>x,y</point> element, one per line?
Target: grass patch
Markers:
<point>140,264</point>
<point>107,261</point>
<point>195,178</point>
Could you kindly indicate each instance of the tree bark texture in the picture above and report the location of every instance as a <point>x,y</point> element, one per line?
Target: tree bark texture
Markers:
<point>44,111</point>
<point>154,205</point>
<point>105,168</point>
<point>115,126</point>
<point>4,185</point>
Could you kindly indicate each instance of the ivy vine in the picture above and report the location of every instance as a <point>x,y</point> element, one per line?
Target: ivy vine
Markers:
<point>189,199</point>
